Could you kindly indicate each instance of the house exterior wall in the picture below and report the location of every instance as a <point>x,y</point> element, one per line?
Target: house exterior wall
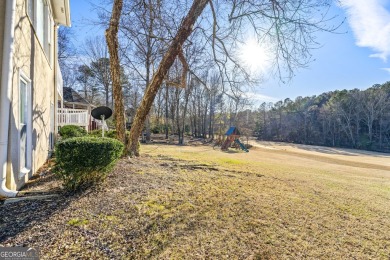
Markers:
<point>31,61</point>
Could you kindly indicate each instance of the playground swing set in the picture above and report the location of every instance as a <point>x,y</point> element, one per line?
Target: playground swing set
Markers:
<point>233,135</point>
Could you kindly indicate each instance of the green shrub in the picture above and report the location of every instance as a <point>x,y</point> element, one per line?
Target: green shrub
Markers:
<point>69,131</point>
<point>109,133</point>
<point>85,161</point>
<point>98,133</point>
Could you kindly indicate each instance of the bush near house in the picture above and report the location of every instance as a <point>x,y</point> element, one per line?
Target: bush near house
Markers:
<point>109,133</point>
<point>98,133</point>
<point>69,131</point>
<point>85,161</point>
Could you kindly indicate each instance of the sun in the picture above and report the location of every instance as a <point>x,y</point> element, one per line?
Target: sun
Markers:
<point>254,56</point>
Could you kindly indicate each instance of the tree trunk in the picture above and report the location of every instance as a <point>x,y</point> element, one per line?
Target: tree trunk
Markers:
<point>212,118</point>
<point>147,66</point>
<point>177,101</point>
<point>166,112</point>
<point>107,102</point>
<point>112,43</point>
<point>184,120</point>
<point>183,33</point>
<point>182,123</point>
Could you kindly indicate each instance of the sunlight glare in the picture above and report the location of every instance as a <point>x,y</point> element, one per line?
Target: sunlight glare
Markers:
<point>254,57</point>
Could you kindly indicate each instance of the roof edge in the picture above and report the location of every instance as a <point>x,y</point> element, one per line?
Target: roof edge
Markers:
<point>61,12</point>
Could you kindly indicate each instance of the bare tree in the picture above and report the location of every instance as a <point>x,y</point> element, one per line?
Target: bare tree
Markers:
<point>372,104</point>
<point>113,46</point>
<point>173,51</point>
<point>142,37</point>
<point>97,52</point>
<point>85,78</point>
<point>66,55</point>
<point>287,28</point>
<point>66,50</point>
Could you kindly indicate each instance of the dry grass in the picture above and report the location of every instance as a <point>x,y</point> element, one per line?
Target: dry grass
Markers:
<point>182,202</point>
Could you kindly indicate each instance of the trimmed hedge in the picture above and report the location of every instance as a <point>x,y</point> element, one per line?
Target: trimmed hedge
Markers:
<point>69,131</point>
<point>85,161</point>
<point>108,133</point>
<point>98,133</point>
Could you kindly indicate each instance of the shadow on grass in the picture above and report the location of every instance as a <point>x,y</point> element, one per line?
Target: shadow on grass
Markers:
<point>31,208</point>
<point>19,216</point>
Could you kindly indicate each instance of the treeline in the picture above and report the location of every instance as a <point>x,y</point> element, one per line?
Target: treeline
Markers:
<point>200,110</point>
<point>197,103</point>
<point>347,118</point>
<point>204,90</point>
<point>206,106</point>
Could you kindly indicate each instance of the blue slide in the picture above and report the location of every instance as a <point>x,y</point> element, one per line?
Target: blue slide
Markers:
<point>241,145</point>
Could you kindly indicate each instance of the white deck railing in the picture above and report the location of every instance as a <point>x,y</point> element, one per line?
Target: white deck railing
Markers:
<point>68,116</point>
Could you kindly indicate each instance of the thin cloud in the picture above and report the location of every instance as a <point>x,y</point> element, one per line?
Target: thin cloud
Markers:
<point>386,69</point>
<point>260,98</point>
<point>370,22</point>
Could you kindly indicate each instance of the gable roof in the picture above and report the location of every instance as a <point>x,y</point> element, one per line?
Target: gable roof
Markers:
<point>71,96</point>
<point>233,130</point>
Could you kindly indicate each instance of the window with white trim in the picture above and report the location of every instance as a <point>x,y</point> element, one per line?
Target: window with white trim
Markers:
<point>25,125</point>
<point>43,24</point>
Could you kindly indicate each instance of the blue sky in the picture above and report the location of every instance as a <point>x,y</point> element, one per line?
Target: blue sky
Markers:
<point>357,57</point>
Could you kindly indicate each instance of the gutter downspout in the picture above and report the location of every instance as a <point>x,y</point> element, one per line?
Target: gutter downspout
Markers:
<point>5,94</point>
<point>55,85</point>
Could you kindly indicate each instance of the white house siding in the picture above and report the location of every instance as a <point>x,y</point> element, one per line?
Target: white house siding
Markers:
<point>30,59</point>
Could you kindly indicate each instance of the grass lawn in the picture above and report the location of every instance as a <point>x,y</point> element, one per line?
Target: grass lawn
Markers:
<point>186,202</point>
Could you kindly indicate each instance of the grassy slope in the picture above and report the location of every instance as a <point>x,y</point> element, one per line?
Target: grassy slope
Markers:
<point>291,205</point>
<point>196,203</point>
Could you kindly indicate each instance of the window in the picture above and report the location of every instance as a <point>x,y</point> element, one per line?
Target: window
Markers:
<point>25,133</point>
<point>30,9</point>
<point>49,26</point>
<point>42,22</point>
